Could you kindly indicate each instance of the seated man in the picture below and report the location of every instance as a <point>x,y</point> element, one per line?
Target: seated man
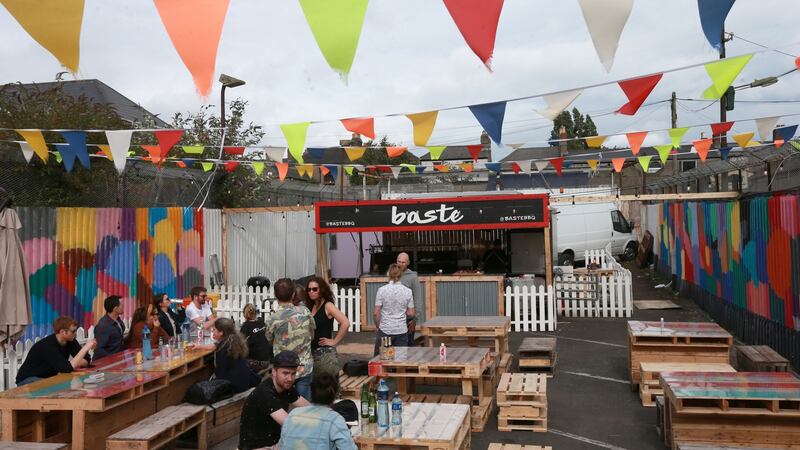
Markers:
<point>56,353</point>
<point>267,407</point>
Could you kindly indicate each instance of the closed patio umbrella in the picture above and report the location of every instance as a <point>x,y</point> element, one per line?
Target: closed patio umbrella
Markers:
<point>15,293</point>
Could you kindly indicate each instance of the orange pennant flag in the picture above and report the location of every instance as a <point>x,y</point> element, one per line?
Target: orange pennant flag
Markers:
<point>618,163</point>
<point>466,167</point>
<point>324,170</point>
<point>635,140</point>
<point>702,147</point>
<point>363,126</point>
<point>155,153</point>
<point>195,26</point>
<point>283,169</point>
<point>441,167</point>
<point>394,152</point>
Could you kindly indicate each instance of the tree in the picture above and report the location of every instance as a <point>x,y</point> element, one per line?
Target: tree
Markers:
<point>576,125</point>
<point>376,156</point>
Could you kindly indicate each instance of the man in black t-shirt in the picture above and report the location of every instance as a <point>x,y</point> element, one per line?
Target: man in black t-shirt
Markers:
<point>268,405</point>
<point>56,353</point>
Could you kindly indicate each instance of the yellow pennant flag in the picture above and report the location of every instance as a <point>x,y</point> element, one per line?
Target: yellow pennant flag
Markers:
<point>193,149</point>
<point>295,134</point>
<point>355,153</point>
<point>663,152</point>
<point>305,170</point>
<point>423,126</point>
<point>207,166</point>
<point>54,24</point>
<point>349,169</point>
<point>722,74</point>
<point>258,167</point>
<point>644,161</point>
<point>592,164</point>
<point>106,149</point>
<point>436,152</point>
<point>411,167</point>
<point>35,139</point>
<point>743,139</point>
<point>676,135</point>
<point>595,141</point>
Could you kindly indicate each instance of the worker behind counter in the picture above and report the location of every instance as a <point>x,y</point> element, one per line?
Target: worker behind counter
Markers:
<point>496,259</point>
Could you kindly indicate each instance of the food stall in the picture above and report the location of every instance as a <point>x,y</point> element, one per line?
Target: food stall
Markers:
<point>453,244</point>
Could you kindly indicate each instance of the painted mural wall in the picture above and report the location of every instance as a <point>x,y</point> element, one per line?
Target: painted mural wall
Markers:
<point>78,256</point>
<point>745,252</point>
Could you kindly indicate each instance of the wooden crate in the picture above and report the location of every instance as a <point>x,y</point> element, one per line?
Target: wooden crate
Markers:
<point>522,402</point>
<point>161,428</point>
<point>649,386</point>
<point>537,355</point>
<point>760,358</point>
<point>350,387</point>
<point>496,446</point>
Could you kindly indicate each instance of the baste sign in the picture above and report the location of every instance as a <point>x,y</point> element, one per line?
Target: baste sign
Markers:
<point>478,212</point>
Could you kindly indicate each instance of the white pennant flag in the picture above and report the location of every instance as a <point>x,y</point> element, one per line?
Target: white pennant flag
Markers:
<point>396,171</point>
<point>277,154</point>
<point>557,103</point>
<point>541,165</point>
<point>499,151</point>
<point>419,152</point>
<point>479,165</point>
<point>525,166</point>
<point>119,141</point>
<point>27,151</point>
<point>766,126</point>
<point>606,19</point>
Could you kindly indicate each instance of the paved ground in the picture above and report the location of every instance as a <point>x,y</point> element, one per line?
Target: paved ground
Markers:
<point>590,404</point>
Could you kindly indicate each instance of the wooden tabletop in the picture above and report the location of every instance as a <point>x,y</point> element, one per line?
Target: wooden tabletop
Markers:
<point>467,321</point>
<point>125,361</point>
<point>429,356</point>
<point>685,367</point>
<point>679,329</point>
<point>422,423</point>
<point>733,386</point>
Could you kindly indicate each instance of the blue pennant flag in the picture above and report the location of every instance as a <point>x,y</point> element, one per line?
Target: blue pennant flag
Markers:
<point>76,142</point>
<point>421,169</point>
<point>566,164</point>
<point>723,152</point>
<point>712,18</point>
<point>494,166</point>
<point>553,143</point>
<point>787,133</point>
<point>334,171</point>
<point>316,153</point>
<point>67,156</point>
<point>189,162</point>
<point>490,116</point>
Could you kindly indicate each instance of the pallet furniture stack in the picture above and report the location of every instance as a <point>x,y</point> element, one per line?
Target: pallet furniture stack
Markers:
<point>161,428</point>
<point>760,358</point>
<point>538,355</point>
<point>522,402</point>
<point>426,426</point>
<point>350,387</point>
<point>691,342</point>
<point>224,418</point>
<point>650,387</point>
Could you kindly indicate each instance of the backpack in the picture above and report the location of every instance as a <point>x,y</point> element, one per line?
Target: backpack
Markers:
<point>208,392</point>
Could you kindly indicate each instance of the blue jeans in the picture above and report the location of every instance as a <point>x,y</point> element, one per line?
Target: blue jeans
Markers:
<point>398,340</point>
<point>28,380</point>
<point>303,386</point>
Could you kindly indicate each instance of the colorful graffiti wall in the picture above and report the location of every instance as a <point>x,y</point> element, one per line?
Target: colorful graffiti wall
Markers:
<point>78,256</point>
<point>745,252</point>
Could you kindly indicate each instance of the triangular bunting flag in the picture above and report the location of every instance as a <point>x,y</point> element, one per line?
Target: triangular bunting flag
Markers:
<point>295,134</point>
<point>396,171</point>
<point>541,165</point>
<point>795,144</point>
<point>155,154</point>
<point>644,161</point>
<point>349,170</point>
<point>605,21</point>
<point>466,167</point>
<point>54,24</point>
<point>595,141</point>
<point>316,153</point>
<point>490,116</point>
<point>592,164</point>
<point>180,164</point>
<point>743,139</point>
<point>411,167</point>
<point>558,102</point>
<point>207,166</point>
<point>191,149</point>
<point>27,151</point>
<point>324,171</point>
<point>499,152</point>
<point>723,73</point>
<point>333,170</point>
<point>663,152</point>
<point>420,169</point>
<point>258,167</point>
<point>276,154</point>
<point>394,152</point>
<point>35,139</point>
<point>336,27</point>
<point>442,167</point>
<point>712,19</point>
<point>363,126</point>
<point>515,167</point>
<point>305,170</point>
<point>166,140</point>
<point>765,126</point>
<point>283,169</point>
<point>105,150</point>
<point>475,151</point>
<point>525,166</point>
<point>76,141</point>
<point>66,155</point>
<point>676,135</point>
<point>233,151</point>
<point>423,126</point>
<point>195,27</point>
<point>230,166</point>
<point>618,164</point>
<point>58,155</point>
<point>119,142</point>
<point>637,91</point>
<point>702,146</point>
<point>718,129</point>
<point>494,166</point>
<point>787,133</point>
<point>558,164</point>
<point>436,152</point>
<point>477,21</point>
<point>635,140</point>
<point>723,152</point>
<point>355,153</point>
<point>419,152</point>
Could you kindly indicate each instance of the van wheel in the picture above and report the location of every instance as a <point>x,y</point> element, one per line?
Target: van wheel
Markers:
<point>566,259</point>
<point>630,251</point>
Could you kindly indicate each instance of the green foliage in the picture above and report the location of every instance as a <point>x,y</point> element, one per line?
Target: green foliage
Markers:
<point>576,125</point>
<point>376,157</point>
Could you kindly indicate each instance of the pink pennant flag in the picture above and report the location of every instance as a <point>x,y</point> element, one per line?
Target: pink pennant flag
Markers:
<point>475,151</point>
<point>618,163</point>
<point>721,128</point>
<point>702,146</point>
<point>477,21</point>
<point>635,140</point>
<point>283,169</point>
<point>637,91</point>
<point>557,164</point>
<point>362,126</point>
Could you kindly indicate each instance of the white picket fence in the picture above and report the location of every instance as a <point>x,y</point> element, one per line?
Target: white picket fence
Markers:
<point>607,295</point>
<point>531,308</point>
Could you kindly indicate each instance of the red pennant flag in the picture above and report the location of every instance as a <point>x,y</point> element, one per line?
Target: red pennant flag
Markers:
<point>475,151</point>
<point>637,91</point>
<point>324,170</point>
<point>230,165</point>
<point>155,154</point>
<point>234,151</point>
<point>181,164</point>
<point>167,139</point>
<point>363,126</point>
<point>778,143</point>
<point>515,167</point>
<point>384,169</point>
<point>283,169</point>
<point>702,147</point>
<point>394,152</point>
<point>477,22</point>
<point>618,163</point>
<point>370,169</point>
<point>718,129</point>
<point>557,164</point>
<point>635,140</point>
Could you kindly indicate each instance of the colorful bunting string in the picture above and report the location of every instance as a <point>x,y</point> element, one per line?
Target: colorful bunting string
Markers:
<point>477,21</point>
<point>722,74</point>
<point>605,21</point>
<point>637,90</point>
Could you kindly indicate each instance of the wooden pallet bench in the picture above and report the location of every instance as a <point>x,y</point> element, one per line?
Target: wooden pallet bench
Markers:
<point>161,428</point>
<point>496,446</point>
<point>650,388</point>
<point>350,387</point>
<point>522,402</point>
<point>537,355</point>
<point>6,445</point>
<point>224,417</point>
<point>426,426</point>
<point>471,331</point>
<point>760,358</point>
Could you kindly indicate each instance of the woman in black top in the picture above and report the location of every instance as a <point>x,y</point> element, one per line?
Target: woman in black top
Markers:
<point>259,348</point>
<point>230,356</point>
<point>169,319</point>
<point>324,311</point>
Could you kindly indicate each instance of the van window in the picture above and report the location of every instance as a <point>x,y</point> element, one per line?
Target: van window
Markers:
<point>619,222</point>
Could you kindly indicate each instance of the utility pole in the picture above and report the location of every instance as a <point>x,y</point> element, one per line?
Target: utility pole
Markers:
<point>674,118</point>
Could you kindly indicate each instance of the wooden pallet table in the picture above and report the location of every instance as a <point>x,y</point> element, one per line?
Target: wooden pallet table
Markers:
<point>496,446</point>
<point>468,365</point>
<point>32,446</point>
<point>522,402</point>
<point>161,428</point>
<point>733,409</point>
<point>538,355</point>
<point>760,358</point>
<point>350,387</point>
<point>650,387</point>
<point>430,426</point>
<point>468,331</point>
<point>695,342</point>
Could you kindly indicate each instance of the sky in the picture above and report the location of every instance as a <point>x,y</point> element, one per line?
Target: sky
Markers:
<point>412,58</point>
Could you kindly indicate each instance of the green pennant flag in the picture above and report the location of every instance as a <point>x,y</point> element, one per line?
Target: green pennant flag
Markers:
<point>795,144</point>
<point>675,136</point>
<point>663,152</point>
<point>207,166</point>
<point>258,167</point>
<point>349,169</point>
<point>722,74</point>
<point>411,167</point>
<point>644,161</point>
<point>336,26</point>
<point>193,149</point>
<point>436,152</point>
<point>295,134</point>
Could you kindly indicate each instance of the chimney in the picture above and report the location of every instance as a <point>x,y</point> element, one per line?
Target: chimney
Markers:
<point>562,146</point>
<point>485,139</point>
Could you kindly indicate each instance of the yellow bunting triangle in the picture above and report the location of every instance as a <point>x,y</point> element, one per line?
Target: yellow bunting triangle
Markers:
<point>258,167</point>
<point>193,149</point>
<point>592,164</point>
<point>675,136</point>
<point>106,149</point>
<point>743,139</point>
<point>295,134</point>
<point>411,167</point>
<point>355,153</point>
<point>722,74</point>
<point>663,152</point>
<point>54,24</point>
<point>207,166</point>
<point>436,152</point>
<point>305,170</point>
<point>595,141</point>
<point>644,161</point>
<point>423,126</point>
<point>349,170</point>
<point>35,139</point>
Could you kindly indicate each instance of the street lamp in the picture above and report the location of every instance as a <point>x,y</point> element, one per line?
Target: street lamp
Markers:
<point>227,82</point>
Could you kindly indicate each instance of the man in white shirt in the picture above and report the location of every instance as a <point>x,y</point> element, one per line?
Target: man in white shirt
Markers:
<point>394,304</point>
<point>199,310</point>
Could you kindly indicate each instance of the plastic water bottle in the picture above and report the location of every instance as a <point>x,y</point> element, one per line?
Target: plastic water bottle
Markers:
<point>383,404</point>
<point>442,353</point>
<point>397,410</point>
<point>186,331</point>
<point>147,349</point>
<point>200,331</point>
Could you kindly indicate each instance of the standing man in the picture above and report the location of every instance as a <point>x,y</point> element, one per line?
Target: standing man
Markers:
<point>56,353</point>
<point>394,304</point>
<point>410,280</point>
<point>267,407</point>
<point>199,310</point>
<point>292,328</point>
<point>110,329</point>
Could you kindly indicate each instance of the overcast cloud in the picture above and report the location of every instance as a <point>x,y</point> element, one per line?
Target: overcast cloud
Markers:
<point>412,58</point>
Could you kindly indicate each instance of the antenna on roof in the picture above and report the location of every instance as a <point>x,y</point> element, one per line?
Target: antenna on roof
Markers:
<point>60,76</point>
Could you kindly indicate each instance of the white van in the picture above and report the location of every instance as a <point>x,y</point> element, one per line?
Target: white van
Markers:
<point>591,226</point>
